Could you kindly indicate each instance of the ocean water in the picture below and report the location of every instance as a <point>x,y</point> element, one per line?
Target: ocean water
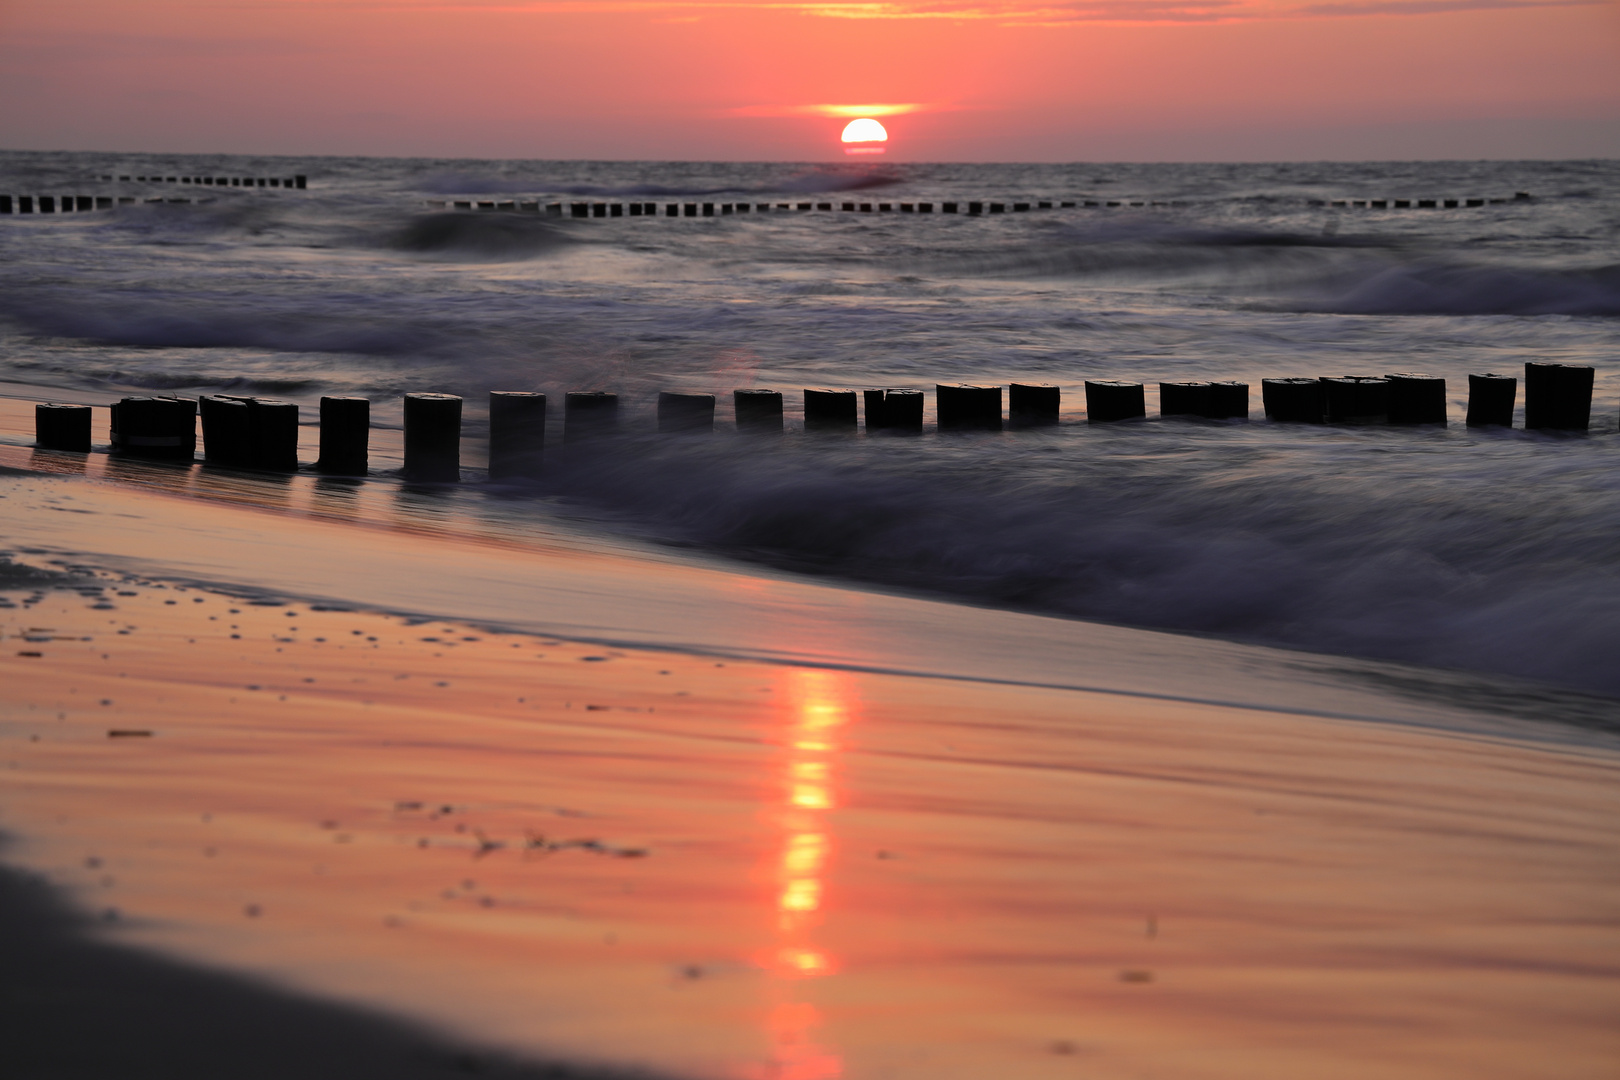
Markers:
<point>1479,549</point>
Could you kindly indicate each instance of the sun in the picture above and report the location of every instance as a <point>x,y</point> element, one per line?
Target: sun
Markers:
<point>864,136</point>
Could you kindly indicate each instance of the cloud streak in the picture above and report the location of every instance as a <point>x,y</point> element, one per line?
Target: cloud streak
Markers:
<point>1000,12</point>
<point>892,109</point>
<point>1434,7</point>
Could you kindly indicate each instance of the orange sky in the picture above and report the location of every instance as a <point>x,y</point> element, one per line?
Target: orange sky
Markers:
<point>1061,80</point>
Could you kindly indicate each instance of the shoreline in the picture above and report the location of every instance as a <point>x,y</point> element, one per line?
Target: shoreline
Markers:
<point>526,519</point>
<point>724,865</point>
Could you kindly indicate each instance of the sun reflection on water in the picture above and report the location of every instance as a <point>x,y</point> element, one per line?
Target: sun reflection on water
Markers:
<point>820,703</point>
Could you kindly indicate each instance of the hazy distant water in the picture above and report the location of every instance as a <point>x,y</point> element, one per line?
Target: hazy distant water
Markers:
<point>1497,550</point>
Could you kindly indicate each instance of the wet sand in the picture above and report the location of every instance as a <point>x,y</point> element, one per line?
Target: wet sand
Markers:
<point>764,866</point>
<point>749,865</point>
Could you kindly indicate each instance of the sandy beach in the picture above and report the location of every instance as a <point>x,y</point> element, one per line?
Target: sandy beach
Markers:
<point>433,787</point>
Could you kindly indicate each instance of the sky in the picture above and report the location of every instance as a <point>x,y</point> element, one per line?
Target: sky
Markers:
<point>952,80</point>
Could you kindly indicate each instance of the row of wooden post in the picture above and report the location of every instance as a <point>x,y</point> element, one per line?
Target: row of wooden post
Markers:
<point>262,433</point>
<point>974,208</point>
<point>217,181</point>
<point>68,204</point>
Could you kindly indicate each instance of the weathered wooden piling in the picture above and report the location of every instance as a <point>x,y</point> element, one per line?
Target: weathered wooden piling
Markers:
<point>1033,404</point>
<point>1557,397</point>
<point>680,412</point>
<point>1228,401</point>
<point>1491,398</point>
<point>345,436</point>
<point>1296,401</point>
<point>827,409</point>
<point>275,434</point>
<point>155,427</point>
<point>1184,399</point>
<point>1417,399</point>
<point>433,438</point>
<point>903,410</point>
<point>894,410</point>
<point>589,414</point>
<point>517,433</point>
<point>1108,400</point>
<point>227,430</point>
<point>876,418</point>
<point>62,427</point>
<point>757,410</point>
<point>1355,399</point>
<point>966,407</point>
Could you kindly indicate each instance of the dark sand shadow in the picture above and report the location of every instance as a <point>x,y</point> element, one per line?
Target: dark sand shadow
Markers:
<point>75,1008</point>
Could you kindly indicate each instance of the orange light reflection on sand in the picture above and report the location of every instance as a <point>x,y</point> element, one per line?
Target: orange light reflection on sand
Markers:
<point>819,703</point>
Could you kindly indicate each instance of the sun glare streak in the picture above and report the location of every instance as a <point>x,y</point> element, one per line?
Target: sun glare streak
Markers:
<point>819,705</point>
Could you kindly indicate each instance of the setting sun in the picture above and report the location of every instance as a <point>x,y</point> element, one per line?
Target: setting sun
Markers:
<point>864,136</point>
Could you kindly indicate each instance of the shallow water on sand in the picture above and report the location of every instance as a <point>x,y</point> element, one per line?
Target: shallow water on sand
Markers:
<point>717,867</point>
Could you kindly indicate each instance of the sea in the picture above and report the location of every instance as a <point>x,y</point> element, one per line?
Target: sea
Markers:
<point>1485,549</point>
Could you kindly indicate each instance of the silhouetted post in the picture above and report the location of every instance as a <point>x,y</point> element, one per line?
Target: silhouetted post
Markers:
<point>1033,404</point>
<point>155,427</point>
<point>5,204</point>
<point>345,436</point>
<point>899,411</point>
<point>1417,399</point>
<point>300,182</point>
<point>517,433</point>
<point>829,410</point>
<point>1107,401</point>
<point>1228,401</point>
<point>433,438</point>
<point>903,411</point>
<point>227,428</point>
<point>1184,399</point>
<point>1297,401</point>
<point>589,414</point>
<point>876,418</point>
<point>1490,400</point>
<point>62,427</point>
<point>758,410</point>
<point>963,407</point>
<point>685,412</point>
<point>275,434</point>
<point>1557,397</point>
<point>1355,399</point>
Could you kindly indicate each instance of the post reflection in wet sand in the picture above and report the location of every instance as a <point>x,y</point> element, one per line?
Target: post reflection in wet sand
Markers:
<point>818,704</point>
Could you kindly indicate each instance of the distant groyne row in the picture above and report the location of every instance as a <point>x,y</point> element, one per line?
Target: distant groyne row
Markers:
<point>262,433</point>
<point>971,208</point>
<point>51,204</point>
<point>300,182</point>
<point>70,204</point>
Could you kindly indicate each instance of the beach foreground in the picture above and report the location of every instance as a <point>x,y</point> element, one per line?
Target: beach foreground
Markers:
<point>707,864</point>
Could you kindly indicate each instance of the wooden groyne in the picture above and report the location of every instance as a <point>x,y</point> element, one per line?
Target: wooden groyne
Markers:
<point>262,433</point>
<point>970,208</point>
<point>300,182</point>
<point>50,204</point>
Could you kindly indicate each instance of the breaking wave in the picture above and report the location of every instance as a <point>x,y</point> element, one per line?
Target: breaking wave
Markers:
<point>1449,289</point>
